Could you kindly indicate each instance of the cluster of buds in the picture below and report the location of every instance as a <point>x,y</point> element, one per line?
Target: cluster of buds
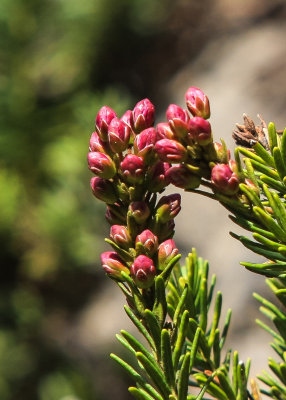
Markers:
<point>128,176</point>
<point>133,160</point>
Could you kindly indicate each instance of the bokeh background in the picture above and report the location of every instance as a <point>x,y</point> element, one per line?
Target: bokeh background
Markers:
<point>60,61</point>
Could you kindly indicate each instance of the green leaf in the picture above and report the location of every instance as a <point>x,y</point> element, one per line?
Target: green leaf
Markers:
<point>122,253</point>
<point>274,183</point>
<point>181,306</point>
<point>283,147</point>
<point>154,329</point>
<point>160,304</point>
<point>140,394</point>
<point>216,317</point>
<point>166,352</point>
<point>279,162</point>
<point>184,377</point>
<point>225,385</point>
<point>203,304</point>
<point>140,326</point>
<point>181,336</point>
<point>137,346</point>
<point>272,136</point>
<point>155,374</point>
<point>225,328</point>
<point>270,223</point>
<point>167,271</point>
<point>264,154</point>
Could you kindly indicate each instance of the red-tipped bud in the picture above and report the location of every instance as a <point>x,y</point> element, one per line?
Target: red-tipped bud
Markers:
<point>143,272</point>
<point>103,190</point>
<point>101,164</point>
<point>120,235</point>
<point>118,135</point>
<point>164,131</point>
<point>95,143</point>
<point>114,216</point>
<point>157,177</point>
<point>127,118</point>
<point>224,179</point>
<point>168,207</point>
<point>252,186</point>
<point>182,177</point>
<point>144,143</point>
<point>197,103</point>
<point>166,251</point>
<point>139,211</point>
<point>167,230</point>
<point>104,117</point>
<point>178,120</point>
<point>222,154</point>
<point>113,265</point>
<point>233,166</point>
<point>200,131</point>
<point>132,168</point>
<point>146,243</point>
<point>170,151</point>
<point>143,115</point>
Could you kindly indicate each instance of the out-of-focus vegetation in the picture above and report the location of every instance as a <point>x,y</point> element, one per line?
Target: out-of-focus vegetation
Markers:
<point>61,60</point>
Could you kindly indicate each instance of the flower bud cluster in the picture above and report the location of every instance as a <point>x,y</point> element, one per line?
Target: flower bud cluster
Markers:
<point>133,160</point>
<point>128,175</point>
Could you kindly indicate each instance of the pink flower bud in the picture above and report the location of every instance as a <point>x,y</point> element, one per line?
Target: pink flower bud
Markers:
<point>167,230</point>
<point>127,118</point>
<point>168,207</point>
<point>114,214</point>
<point>118,135</point>
<point>197,103</point>
<point>170,151</point>
<point>148,241</point>
<point>132,168</point>
<point>143,272</point>
<point>166,251</point>
<point>143,115</point>
<point>113,265</point>
<point>104,117</point>
<point>200,131</point>
<point>95,143</point>
<point>164,131</point>
<point>103,190</point>
<point>224,179</point>
<point>223,155</point>
<point>101,164</point>
<point>182,177</point>
<point>233,166</point>
<point>144,143</point>
<point>120,235</point>
<point>140,211</point>
<point>157,177</point>
<point>178,120</point>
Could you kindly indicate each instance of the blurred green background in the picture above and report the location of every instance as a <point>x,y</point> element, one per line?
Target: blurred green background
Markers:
<point>60,61</point>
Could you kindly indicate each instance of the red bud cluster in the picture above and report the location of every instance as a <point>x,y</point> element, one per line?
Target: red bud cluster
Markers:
<point>133,161</point>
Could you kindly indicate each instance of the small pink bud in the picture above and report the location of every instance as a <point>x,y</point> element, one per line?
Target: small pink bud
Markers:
<point>143,271</point>
<point>144,143</point>
<point>95,143</point>
<point>168,207</point>
<point>143,115</point>
<point>223,155</point>
<point>233,166</point>
<point>118,135</point>
<point>101,164</point>
<point>178,120</point>
<point>200,131</point>
<point>224,179</point>
<point>114,215</point>
<point>103,190</point>
<point>166,251</point>
<point>252,186</point>
<point>157,177</point>
<point>197,103</point>
<point>132,168</point>
<point>182,177</point>
<point>113,265</point>
<point>104,117</point>
<point>170,151</point>
<point>127,118</point>
<point>164,131</point>
<point>140,211</point>
<point>148,241</point>
<point>167,230</point>
<point>120,235</point>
